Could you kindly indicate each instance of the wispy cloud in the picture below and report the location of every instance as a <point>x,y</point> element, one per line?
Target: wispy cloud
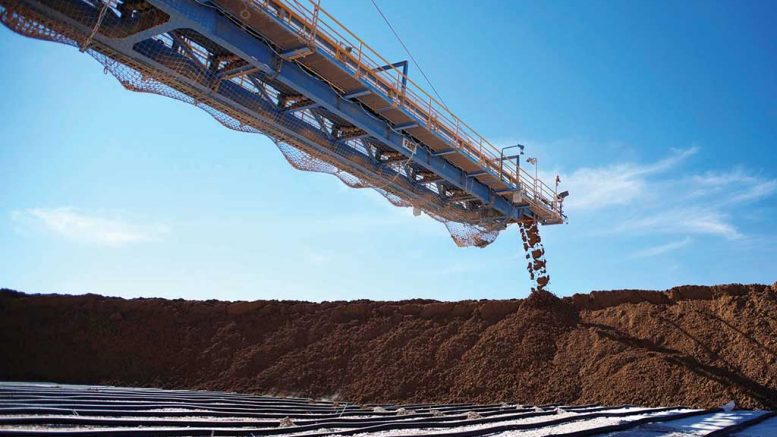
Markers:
<point>79,226</point>
<point>616,184</point>
<point>734,186</point>
<point>317,257</point>
<point>663,248</point>
<point>691,219</point>
<point>652,198</point>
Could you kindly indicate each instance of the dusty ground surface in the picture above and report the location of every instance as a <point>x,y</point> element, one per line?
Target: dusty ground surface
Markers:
<point>692,346</point>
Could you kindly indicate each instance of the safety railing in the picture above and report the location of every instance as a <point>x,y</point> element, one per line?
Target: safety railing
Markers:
<point>324,32</point>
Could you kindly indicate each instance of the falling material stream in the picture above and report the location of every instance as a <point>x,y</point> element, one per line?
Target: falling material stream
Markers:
<point>535,254</point>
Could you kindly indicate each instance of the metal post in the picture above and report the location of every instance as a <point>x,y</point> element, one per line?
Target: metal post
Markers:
<point>316,9</point>
<point>359,61</point>
<point>517,157</point>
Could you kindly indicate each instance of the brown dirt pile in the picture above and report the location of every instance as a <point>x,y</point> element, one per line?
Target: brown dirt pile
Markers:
<point>696,346</point>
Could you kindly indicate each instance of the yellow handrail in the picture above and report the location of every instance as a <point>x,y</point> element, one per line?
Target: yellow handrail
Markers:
<point>325,32</point>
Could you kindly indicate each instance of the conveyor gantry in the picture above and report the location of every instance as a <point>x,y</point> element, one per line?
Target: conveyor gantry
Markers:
<point>290,70</point>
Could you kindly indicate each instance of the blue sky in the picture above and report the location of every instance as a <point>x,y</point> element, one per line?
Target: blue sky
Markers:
<point>660,117</point>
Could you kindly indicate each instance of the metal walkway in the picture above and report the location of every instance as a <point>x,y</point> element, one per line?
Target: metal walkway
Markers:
<point>288,69</point>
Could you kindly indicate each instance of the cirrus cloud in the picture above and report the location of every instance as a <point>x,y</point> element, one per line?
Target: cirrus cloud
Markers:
<point>76,225</point>
<point>655,198</point>
<point>617,184</point>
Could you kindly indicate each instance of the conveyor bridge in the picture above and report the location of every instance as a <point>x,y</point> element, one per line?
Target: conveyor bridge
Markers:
<point>289,70</point>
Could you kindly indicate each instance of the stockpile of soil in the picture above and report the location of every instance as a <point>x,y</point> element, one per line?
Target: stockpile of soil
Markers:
<point>693,346</point>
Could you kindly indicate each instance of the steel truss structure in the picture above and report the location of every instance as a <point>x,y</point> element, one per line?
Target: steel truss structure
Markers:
<point>289,70</point>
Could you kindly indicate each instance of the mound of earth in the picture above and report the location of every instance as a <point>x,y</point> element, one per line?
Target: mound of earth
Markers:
<point>691,345</point>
